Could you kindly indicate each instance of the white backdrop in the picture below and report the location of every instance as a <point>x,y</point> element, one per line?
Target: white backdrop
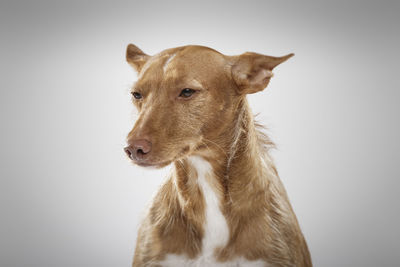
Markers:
<point>69,196</point>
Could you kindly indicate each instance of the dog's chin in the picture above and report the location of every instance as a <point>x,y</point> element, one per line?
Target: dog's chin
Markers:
<point>152,165</point>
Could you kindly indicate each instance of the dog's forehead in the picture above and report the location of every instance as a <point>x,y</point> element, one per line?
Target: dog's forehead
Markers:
<point>189,62</point>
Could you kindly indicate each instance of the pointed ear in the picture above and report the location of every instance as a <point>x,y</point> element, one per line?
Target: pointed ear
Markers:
<point>136,57</point>
<point>252,71</point>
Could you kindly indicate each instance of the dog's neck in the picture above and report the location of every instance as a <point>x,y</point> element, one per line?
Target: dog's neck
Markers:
<point>240,165</point>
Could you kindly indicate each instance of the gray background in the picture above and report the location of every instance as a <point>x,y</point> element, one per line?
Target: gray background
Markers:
<point>69,196</point>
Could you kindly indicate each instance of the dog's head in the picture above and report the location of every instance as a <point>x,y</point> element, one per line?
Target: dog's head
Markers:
<point>187,95</point>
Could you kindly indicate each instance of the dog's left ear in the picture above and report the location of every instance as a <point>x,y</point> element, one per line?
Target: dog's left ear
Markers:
<point>136,57</point>
<point>252,72</point>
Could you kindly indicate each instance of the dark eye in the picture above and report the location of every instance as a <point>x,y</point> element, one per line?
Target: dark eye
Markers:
<point>136,95</point>
<point>187,92</point>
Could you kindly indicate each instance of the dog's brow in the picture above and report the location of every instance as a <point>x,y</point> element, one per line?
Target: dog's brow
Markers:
<point>196,83</point>
<point>134,86</point>
<point>169,59</point>
<point>138,87</point>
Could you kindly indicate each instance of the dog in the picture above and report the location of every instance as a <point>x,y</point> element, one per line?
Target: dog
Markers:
<point>223,204</point>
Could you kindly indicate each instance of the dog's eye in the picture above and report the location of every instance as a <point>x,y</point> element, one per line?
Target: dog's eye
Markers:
<point>136,95</point>
<point>187,92</point>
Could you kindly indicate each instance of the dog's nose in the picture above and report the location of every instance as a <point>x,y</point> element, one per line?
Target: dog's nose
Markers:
<point>138,149</point>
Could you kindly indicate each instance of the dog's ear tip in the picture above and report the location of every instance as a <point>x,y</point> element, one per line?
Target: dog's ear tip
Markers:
<point>278,60</point>
<point>288,56</point>
<point>133,49</point>
<point>132,46</point>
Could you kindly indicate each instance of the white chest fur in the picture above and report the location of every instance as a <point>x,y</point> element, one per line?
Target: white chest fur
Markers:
<point>216,231</point>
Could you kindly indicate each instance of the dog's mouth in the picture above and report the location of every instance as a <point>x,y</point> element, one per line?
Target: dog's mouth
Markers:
<point>163,162</point>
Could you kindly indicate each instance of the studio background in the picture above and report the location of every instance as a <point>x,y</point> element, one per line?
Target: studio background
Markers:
<point>70,197</point>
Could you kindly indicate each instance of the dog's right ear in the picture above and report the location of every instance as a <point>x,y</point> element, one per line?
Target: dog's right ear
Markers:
<point>136,57</point>
<point>252,72</point>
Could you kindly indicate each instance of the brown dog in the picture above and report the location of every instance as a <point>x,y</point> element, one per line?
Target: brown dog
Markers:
<point>224,204</point>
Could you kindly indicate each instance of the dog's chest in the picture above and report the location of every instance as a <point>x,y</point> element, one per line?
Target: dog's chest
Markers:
<point>173,260</point>
<point>216,231</point>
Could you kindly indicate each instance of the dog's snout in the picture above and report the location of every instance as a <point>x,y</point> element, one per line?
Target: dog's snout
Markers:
<point>138,149</point>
